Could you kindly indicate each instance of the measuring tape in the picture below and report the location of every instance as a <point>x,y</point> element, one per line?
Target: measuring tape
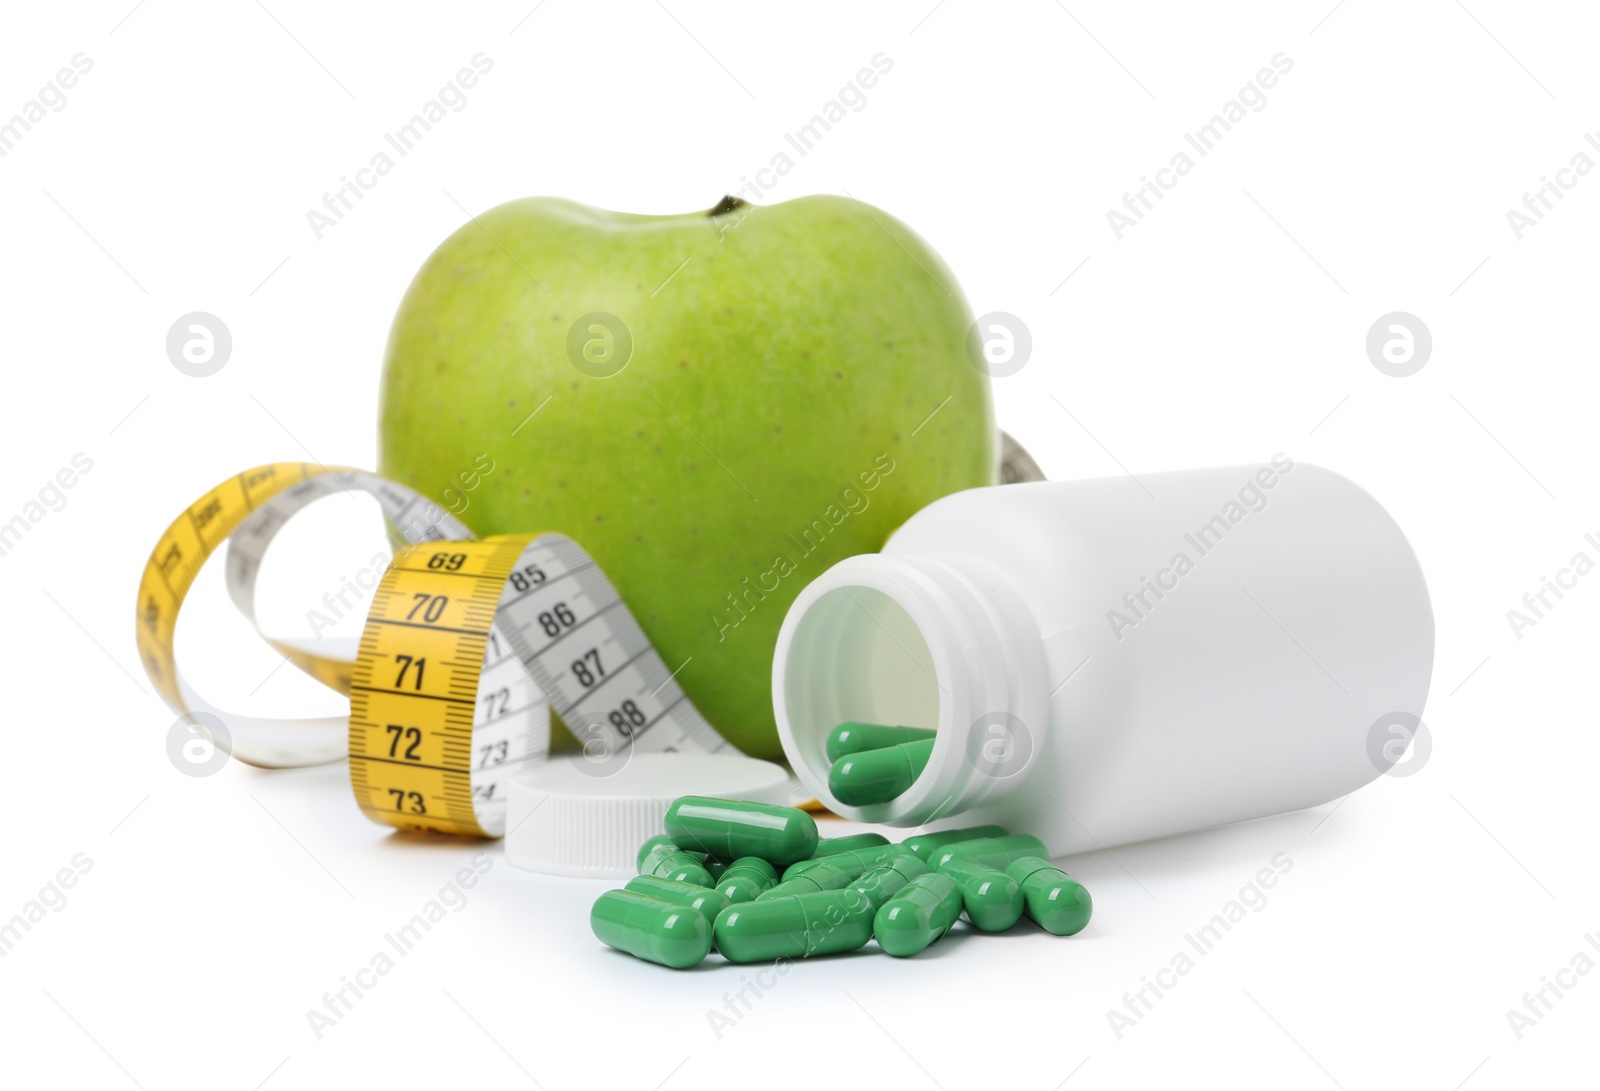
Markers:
<point>468,646</point>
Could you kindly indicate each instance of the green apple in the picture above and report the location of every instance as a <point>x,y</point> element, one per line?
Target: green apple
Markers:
<point>718,406</point>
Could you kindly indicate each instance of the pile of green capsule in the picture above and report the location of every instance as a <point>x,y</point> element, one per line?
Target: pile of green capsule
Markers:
<point>755,882</point>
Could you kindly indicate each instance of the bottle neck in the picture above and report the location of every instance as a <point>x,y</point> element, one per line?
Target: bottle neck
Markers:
<point>919,641</point>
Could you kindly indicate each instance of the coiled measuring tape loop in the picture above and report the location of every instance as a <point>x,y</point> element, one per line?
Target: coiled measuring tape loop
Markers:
<point>467,647</point>
<point>417,519</point>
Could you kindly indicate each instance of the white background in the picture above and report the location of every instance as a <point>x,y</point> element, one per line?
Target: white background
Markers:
<point>1229,324</point>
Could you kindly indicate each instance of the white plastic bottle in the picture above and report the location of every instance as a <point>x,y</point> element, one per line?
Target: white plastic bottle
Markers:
<point>1112,660</point>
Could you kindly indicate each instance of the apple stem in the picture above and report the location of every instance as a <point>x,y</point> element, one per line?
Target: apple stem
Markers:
<point>728,204</point>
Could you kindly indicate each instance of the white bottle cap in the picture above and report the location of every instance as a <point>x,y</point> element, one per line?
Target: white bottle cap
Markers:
<point>572,816</point>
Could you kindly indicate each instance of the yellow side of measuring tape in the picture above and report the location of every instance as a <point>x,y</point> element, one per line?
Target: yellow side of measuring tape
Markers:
<point>176,560</point>
<point>468,646</point>
<point>415,684</point>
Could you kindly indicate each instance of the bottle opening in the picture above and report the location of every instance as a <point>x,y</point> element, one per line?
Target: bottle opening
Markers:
<point>856,655</point>
<point>911,642</point>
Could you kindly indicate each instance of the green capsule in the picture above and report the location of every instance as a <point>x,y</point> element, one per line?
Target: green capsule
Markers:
<point>852,738</point>
<point>921,912</point>
<point>746,879</point>
<point>651,852</point>
<point>731,829</point>
<point>830,846</point>
<point>681,866</point>
<point>884,881</point>
<point>877,776</point>
<point>659,849</point>
<point>861,859</point>
<point>797,926</point>
<point>703,900</point>
<point>1056,901</point>
<point>651,929</point>
<point>994,852</point>
<point>992,899</point>
<point>923,844</point>
<point>823,875</point>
